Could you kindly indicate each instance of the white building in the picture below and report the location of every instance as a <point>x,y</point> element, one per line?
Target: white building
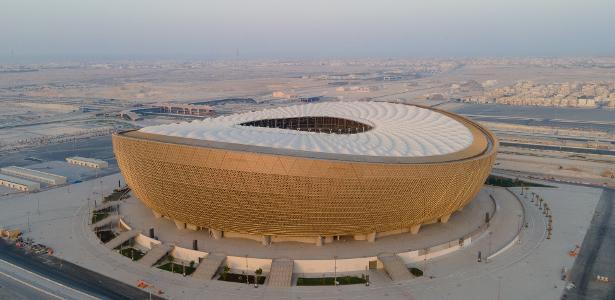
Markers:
<point>19,184</point>
<point>87,162</point>
<point>30,174</point>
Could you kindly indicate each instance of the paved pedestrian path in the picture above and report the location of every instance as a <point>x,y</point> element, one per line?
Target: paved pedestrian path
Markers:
<point>106,221</point>
<point>281,273</point>
<point>154,255</point>
<point>122,238</point>
<point>208,267</point>
<point>395,267</point>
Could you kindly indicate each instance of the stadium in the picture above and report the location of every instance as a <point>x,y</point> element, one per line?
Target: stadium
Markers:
<point>309,172</point>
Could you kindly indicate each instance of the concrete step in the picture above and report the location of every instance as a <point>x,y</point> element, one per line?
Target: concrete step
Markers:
<point>155,254</point>
<point>281,274</point>
<point>395,267</point>
<point>122,238</point>
<point>208,267</point>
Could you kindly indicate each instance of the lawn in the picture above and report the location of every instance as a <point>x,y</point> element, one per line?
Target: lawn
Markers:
<point>177,268</point>
<point>343,280</point>
<point>241,278</point>
<point>132,253</point>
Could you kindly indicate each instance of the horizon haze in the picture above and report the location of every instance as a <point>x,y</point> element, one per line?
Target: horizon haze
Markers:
<point>76,30</point>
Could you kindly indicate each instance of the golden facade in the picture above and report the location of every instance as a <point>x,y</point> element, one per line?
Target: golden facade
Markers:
<point>206,185</point>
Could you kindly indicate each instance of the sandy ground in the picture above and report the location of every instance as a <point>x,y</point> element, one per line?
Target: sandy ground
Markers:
<point>554,164</point>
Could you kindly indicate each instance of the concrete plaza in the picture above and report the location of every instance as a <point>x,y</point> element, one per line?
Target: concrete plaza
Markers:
<point>527,269</point>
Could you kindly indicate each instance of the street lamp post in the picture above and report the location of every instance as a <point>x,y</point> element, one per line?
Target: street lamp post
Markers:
<point>335,270</point>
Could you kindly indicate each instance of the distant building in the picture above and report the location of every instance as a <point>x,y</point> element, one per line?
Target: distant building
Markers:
<point>19,184</point>
<point>87,162</point>
<point>283,95</point>
<point>130,115</point>
<point>185,109</point>
<point>30,174</point>
<point>310,99</point>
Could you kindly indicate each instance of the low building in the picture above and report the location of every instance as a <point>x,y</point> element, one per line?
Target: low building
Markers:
<point>283,95</point>
<point>185,109</point>
<point>87,162</point>
<point>30,174</point>
<point>310,99</point>
<point>19,184</point>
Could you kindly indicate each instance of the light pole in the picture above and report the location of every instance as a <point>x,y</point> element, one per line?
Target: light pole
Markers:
<point>520,228</point>
<point>499,287</point>
<point>247,270</point>
<point>335,270</point>
<point>489,252</point>
<point>425,262</point>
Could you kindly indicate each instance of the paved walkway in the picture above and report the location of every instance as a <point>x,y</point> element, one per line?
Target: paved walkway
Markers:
<point>106,221</point>
<point>208,267</point>
<point>395,267</point>
<point>122,238</point>
<point>460,224</point>
<point>155,254</point>
<point>529,270</point>
<point>281,273</point>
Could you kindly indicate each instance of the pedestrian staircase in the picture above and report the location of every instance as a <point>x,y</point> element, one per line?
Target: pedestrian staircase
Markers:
<point>395,267</point>
<point>281,273</point>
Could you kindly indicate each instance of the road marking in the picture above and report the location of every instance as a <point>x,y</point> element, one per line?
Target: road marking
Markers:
<point>31,286</point>
<point>45,278</point>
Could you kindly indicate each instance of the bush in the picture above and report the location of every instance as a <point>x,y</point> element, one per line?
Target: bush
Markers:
<point>416,272</point>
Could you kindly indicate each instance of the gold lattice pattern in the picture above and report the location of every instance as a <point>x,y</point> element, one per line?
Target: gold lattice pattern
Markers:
<point>257,193</point>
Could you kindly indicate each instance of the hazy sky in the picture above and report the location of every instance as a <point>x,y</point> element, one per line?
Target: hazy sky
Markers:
<point>305,29</point>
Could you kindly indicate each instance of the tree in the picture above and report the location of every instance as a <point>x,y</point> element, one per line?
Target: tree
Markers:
<point>170,259</point>
<point>258,273</point>
<point>225,272</point>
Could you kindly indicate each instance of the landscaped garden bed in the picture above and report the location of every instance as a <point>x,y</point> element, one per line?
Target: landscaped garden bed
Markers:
<point>508,182</point>
<point>132,253</point>
<point>241,278</point>
<point>177,268</point>
<point>117,195</point>
<point>342,280</point>
<point>99,215</point>
<point>105,235</point>
<point>416,272</point>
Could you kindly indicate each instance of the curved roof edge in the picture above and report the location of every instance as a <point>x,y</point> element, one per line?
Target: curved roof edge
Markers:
<point>484,143</point>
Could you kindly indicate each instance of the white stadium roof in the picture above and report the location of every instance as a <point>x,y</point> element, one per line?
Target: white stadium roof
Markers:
<point>398,130</point>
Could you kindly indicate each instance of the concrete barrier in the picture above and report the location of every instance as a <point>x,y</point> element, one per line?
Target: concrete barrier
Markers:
<point>248,265</point>
<point>187,254</point>
<point>145,241</point>
<point>331,265</point>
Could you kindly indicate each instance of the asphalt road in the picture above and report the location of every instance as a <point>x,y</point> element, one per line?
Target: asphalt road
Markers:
<point>11,288</point>
<point>64,273</point>
<point>597,255</point>
<point>98,147</point>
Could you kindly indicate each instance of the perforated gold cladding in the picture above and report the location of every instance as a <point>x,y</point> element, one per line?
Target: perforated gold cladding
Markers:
<point>269,194</point>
